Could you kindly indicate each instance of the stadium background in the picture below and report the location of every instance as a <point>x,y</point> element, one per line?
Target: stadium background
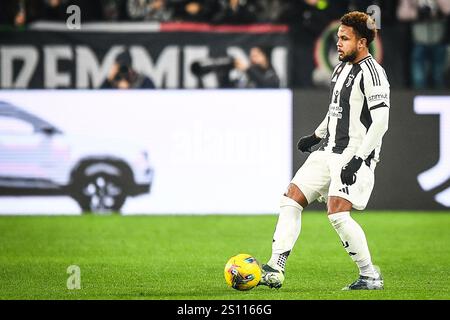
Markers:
<point>44,54</point>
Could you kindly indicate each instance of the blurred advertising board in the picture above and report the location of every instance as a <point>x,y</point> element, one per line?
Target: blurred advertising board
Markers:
<point>144,151</point>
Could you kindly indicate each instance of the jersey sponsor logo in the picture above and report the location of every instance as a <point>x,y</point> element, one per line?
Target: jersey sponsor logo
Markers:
<point>437,179</point>
<point>378,97</point>
<point>335,111</point>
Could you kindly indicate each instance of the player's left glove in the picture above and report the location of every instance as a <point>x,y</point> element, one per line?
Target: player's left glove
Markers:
<point>348,173</point>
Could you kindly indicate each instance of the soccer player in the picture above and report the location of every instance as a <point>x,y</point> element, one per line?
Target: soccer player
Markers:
<point>342,169</point>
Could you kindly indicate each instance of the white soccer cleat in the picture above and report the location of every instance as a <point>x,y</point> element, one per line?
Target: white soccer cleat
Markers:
<point>367,283</point>
<point>271,277</point>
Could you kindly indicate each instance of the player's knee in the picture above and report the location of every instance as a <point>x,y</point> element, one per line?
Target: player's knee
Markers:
<point>286,201</point>
<point>293,192</point>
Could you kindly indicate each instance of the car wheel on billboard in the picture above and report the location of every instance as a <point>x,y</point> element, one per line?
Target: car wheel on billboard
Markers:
<point>100,193</point>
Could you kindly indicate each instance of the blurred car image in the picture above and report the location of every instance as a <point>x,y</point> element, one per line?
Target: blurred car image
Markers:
<point>37,158</point>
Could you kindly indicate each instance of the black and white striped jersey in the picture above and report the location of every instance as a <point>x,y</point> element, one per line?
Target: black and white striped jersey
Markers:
<point>357,91</point>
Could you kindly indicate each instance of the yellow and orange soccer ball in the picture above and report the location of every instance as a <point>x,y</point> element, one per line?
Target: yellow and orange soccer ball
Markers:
<point>242,272</point>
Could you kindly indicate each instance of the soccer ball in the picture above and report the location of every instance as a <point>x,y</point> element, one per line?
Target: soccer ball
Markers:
<point>242,272</point>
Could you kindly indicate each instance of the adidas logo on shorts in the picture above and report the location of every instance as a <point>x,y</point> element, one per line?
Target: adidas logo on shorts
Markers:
<point>344,190</point>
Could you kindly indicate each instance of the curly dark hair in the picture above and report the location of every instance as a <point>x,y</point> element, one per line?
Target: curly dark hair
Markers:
<point>362,24</point>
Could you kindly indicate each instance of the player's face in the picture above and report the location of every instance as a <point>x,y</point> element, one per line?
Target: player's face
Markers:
<point>347,44</point>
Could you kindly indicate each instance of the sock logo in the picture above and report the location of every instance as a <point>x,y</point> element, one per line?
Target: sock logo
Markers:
<point>346,245</point>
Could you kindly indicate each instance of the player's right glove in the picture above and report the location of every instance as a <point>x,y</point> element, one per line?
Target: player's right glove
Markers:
<point>305,143</point>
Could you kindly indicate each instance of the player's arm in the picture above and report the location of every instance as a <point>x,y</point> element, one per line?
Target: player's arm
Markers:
<point>321,130</point>
<point>379,126</point>
<point>305,143</point>
<point>377,95</point>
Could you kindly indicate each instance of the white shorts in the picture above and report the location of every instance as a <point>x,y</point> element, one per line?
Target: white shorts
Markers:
<point>320,176</point>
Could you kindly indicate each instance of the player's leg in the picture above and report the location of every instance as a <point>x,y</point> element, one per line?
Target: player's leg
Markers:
<point>351,234</point>
<point>288,226</point>
<point>340,202</point>
<point>301,191</point>
<point>286,233</point>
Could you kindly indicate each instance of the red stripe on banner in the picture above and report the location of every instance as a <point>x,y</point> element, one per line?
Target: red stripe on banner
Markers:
<point>205,27</point>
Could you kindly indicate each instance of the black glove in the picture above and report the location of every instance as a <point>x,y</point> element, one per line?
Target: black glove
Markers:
<point>305,143</point>
<point>348,173</point>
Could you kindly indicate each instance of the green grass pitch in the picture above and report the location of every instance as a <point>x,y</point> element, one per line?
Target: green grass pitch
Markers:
<point>182,257</point>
